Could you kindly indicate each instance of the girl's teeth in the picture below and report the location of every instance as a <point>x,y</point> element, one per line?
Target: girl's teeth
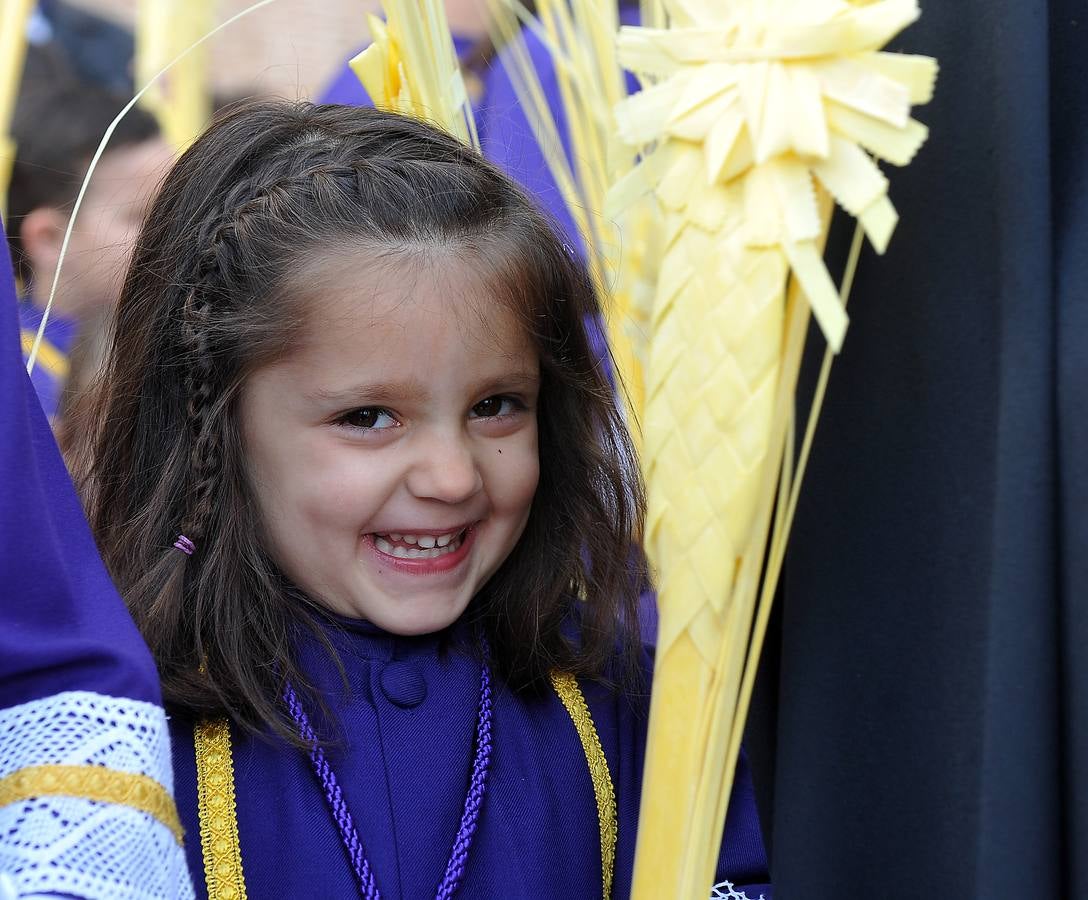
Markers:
<point>409,553</point>
<point>438,546</point>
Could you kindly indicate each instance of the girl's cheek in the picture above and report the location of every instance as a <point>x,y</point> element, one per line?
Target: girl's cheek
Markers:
<point>517,472</point>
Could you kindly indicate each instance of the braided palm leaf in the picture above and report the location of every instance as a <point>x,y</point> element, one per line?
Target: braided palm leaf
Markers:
<point>751,104</point>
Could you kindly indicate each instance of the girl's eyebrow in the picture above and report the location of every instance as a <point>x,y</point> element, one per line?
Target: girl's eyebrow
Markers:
<point>374,392</point>
<point>517,381</point>
<point>380,392</point>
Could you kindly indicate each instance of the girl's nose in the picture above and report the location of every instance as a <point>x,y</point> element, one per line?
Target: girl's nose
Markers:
<point>445,469</point>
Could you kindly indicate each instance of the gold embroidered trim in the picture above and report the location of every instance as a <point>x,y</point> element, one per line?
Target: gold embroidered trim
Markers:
<point>219,842</point>
<point>566,686</point>
<point>93,783</point>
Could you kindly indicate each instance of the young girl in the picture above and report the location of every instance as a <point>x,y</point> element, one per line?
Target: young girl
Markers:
<point>361,481</point>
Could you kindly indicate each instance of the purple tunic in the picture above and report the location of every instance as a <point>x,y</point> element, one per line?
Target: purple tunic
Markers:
<point>403,764</point>
<point>78,687</point>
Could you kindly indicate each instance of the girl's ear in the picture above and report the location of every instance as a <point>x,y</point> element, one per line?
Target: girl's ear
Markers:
<point>41,234</point>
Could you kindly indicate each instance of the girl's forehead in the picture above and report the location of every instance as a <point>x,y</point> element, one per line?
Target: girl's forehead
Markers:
<point>428,297</point>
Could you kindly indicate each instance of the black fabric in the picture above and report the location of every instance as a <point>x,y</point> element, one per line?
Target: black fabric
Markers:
<point>925,702</point>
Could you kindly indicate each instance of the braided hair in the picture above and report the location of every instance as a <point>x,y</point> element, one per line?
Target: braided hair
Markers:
<point>208,300</point>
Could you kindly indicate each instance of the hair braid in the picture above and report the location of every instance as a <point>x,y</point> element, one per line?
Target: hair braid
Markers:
<point>215,264</point>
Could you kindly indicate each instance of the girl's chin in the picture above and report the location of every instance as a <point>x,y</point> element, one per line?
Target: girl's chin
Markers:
<point>432,616</point>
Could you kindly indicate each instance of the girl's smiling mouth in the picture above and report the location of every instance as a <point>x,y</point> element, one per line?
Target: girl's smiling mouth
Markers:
<point>422,553</point>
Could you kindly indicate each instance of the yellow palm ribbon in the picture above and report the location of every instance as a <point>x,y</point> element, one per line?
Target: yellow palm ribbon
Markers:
<point>14,15</point>
<point>411,67</point>
<point>181,101</point>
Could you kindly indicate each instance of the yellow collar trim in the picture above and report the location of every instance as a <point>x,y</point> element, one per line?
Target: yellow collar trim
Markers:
<point>566,686</point>
<point>93,783</point>
<point>222,850</point>
<point>221,846</point>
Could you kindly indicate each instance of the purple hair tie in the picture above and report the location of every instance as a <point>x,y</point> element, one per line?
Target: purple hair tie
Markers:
<point>184,545</point>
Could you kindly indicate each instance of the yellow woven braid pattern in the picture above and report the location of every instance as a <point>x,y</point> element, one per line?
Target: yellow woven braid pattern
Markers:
<point>93,783</point>
<point>219,840</point>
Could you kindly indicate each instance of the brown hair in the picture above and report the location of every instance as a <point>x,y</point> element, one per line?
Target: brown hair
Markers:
<point>205,303</point>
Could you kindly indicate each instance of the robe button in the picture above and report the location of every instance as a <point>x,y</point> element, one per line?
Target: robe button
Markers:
<point>403,684</point>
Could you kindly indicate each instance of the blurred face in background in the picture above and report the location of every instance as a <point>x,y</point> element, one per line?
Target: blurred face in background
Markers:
<point>105,232</point>
<point>467,18</point>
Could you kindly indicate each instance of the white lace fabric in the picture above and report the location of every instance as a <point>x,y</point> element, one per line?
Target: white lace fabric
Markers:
<point>85,848</point>
<point>726,891</point>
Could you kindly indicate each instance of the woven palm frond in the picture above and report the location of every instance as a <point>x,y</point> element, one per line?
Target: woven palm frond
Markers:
<point>754,109</point>
<point>754,114</point>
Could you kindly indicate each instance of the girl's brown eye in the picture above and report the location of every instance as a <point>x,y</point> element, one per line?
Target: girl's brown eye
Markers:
<point>497,406</point>
<point>368,417</point>
<point>492,406</point>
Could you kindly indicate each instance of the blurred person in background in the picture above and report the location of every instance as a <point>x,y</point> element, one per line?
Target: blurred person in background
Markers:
<point>96,49</point>
<point>59,122</point>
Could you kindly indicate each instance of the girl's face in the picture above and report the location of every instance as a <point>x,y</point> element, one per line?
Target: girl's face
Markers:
<point>394,449</point>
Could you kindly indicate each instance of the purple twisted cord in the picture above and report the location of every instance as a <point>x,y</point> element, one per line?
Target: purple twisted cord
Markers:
<point>470,816</point>
<point>474,799</point>
<point>340,812</point>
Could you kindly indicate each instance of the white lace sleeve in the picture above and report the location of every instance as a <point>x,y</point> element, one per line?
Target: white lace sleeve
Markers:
<point>58,753</point>
<point>726,891</point>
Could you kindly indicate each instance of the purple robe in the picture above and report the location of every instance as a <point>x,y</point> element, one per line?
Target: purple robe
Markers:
<point>78,687</point>
<point>403,761</point>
